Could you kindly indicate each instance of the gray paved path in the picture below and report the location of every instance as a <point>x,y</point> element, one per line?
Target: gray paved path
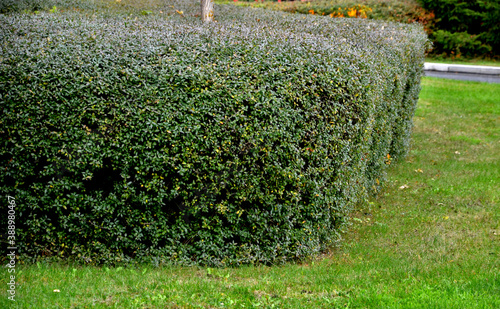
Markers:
<point>487,74</point>
<point>465,76</point>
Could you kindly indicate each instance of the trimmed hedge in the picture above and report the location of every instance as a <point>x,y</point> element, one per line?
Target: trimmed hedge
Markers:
<point>457,28</point>
<point>156,137</point>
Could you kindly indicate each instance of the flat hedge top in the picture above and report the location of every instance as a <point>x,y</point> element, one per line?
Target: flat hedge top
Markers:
<point>134,133</point>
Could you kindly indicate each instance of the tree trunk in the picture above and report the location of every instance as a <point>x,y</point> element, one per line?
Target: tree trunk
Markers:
<point>207,10</point>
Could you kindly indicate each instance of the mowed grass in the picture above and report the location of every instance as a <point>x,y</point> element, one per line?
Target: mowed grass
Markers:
<point>431,239</point>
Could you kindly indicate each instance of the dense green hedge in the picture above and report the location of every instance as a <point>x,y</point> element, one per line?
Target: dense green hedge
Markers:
<point>156,137</point>
<point>468,29</point>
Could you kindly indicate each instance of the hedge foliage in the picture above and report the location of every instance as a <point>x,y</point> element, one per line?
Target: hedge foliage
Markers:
<point>140,137</point>
<point>468,29</point>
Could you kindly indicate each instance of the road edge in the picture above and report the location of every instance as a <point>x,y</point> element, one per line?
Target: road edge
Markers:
<point>458,68</point>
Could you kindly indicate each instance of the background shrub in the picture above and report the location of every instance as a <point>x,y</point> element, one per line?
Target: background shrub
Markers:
<point>131,137</point>
<point>467,28</point>
<point>7,6</point>
<point>406,11</point>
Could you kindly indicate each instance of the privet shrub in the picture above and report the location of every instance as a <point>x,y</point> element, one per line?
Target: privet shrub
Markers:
<point>158,137</point>
<point>457,28</point>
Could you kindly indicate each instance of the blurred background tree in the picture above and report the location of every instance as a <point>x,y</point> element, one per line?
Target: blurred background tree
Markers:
<point>465,28</point>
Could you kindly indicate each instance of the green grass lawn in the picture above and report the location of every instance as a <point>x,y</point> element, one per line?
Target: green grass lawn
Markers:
<point>430,240</point>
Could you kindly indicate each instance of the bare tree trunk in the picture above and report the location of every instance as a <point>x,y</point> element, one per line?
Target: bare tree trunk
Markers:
<point>207,10</point>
